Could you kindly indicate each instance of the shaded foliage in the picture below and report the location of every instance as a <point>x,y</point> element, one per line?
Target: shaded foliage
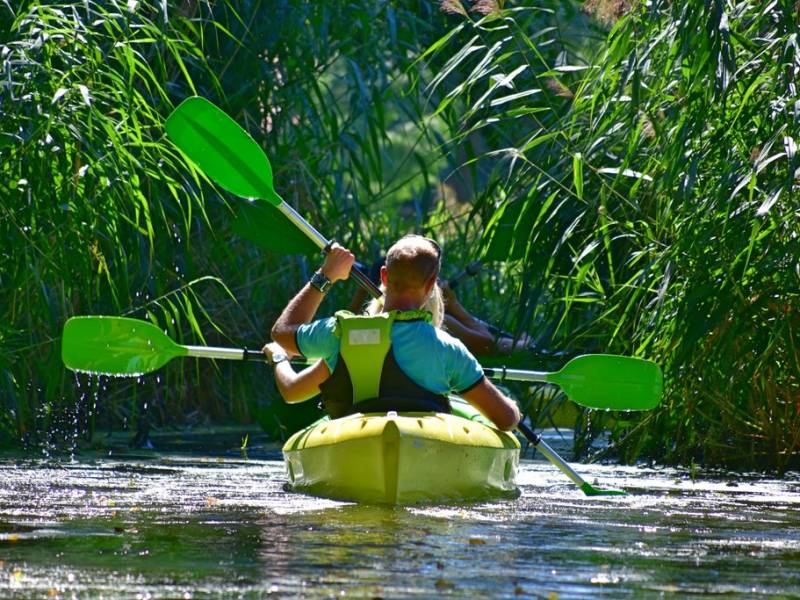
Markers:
<point>102,215</point>
<point>646,192</point>
<point>96,217</point>
<point>628,172</point>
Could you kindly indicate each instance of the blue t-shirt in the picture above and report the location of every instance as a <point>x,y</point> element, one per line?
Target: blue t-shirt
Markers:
<point>431,357</point>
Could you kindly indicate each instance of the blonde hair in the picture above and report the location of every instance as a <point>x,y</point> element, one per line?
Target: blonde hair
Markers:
<point>434,304</point>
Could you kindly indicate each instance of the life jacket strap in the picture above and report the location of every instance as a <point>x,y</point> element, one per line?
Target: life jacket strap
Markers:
<point>364,342</point>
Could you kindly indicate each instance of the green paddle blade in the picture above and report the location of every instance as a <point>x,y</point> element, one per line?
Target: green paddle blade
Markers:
<point>221,149</point>
<point>590,490</point>
<point>610,382</point>
<point>268,228</point>
<point>116,346</point>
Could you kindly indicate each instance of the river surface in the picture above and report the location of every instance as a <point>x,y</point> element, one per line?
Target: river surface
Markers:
<point>169,525</point>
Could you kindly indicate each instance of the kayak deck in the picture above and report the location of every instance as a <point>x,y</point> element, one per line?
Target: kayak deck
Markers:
<point>408,458</point>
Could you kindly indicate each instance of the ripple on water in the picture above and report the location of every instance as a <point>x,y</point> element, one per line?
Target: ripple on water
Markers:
<point>174,525</point>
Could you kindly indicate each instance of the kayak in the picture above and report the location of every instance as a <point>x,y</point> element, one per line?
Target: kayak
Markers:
<point>405,458</point>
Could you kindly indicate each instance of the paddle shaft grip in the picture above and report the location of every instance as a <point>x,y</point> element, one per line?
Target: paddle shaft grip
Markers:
<point>502,373</point>
<point>324,244</point>
<point>225,353</point>
<point>361,279</point>
<point>530,435</point>
<point>253,355</point>
<point>366,283</point>
<point>238,354</point>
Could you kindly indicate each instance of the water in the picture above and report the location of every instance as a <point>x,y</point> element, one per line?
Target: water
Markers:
<point>192,526</point>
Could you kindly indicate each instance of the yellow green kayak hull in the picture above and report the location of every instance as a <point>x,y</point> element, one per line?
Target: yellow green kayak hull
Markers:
<point>406,458</point>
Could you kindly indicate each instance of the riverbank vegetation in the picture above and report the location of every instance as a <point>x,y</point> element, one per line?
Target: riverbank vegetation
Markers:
<point>626,171</point>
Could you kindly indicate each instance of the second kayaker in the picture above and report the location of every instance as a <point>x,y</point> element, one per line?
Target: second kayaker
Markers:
<point>396,360</point>
<point>478,336</point>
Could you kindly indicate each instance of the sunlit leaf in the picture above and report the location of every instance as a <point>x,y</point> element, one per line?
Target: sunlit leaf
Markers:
<point>58,95</point>
<point>577,174</point>
<point>625,172</point>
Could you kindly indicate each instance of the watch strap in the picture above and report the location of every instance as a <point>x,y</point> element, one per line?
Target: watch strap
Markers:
<point>278,357</point>
<point>321,282</point>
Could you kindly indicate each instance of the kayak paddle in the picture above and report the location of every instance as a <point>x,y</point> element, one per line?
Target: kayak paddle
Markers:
<point>228,155</point>
<point>587,488</point>
<point>605,381</point>
<point>126,347</point>
<point>130,347</point>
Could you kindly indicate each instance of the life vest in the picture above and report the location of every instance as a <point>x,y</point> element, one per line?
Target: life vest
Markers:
<point>367,377</point>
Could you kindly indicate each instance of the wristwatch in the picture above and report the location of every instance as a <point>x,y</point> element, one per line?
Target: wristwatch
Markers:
<point>321,282</point>
<point>278,357</point>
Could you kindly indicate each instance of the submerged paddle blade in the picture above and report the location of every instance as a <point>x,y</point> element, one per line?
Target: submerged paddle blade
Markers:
<point>221,149</point>
<point>590,490</point>
<point>610,382</point>
<point>116,346</point>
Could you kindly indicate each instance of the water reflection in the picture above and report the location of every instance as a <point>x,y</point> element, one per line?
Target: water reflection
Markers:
<point>188,526</point>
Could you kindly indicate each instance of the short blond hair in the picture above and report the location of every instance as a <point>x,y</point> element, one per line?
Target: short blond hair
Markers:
<point>412,261</point>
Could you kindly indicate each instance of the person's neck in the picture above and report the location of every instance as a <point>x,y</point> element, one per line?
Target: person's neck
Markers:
<point>402,302</point>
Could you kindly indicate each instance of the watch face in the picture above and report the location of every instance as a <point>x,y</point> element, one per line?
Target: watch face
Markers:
<point>319,281</point>
<point>279,357</point>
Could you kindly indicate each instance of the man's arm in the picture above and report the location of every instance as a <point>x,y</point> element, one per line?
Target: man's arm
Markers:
<point>302,308</point>
<point>297,387</point>
<point>493,404</point>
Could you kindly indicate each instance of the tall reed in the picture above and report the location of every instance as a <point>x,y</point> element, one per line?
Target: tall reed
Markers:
<point>101,214</point>
<point>97,213</point>
<point>642,182</point>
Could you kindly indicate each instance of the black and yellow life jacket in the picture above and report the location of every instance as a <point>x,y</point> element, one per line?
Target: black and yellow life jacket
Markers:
<point>367,377</point>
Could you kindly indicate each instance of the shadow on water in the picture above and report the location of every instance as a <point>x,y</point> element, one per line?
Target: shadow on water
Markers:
<point>197,526</point>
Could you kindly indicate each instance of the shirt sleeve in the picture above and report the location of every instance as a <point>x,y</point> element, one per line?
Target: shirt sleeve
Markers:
<point>318,339</point>
<point>463,368</point>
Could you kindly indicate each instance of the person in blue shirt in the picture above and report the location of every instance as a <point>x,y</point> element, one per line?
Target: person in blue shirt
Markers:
<point>415,367</point>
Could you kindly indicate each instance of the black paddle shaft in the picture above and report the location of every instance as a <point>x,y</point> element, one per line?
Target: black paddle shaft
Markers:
<point>366,283</point>
<point>530,435</point>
